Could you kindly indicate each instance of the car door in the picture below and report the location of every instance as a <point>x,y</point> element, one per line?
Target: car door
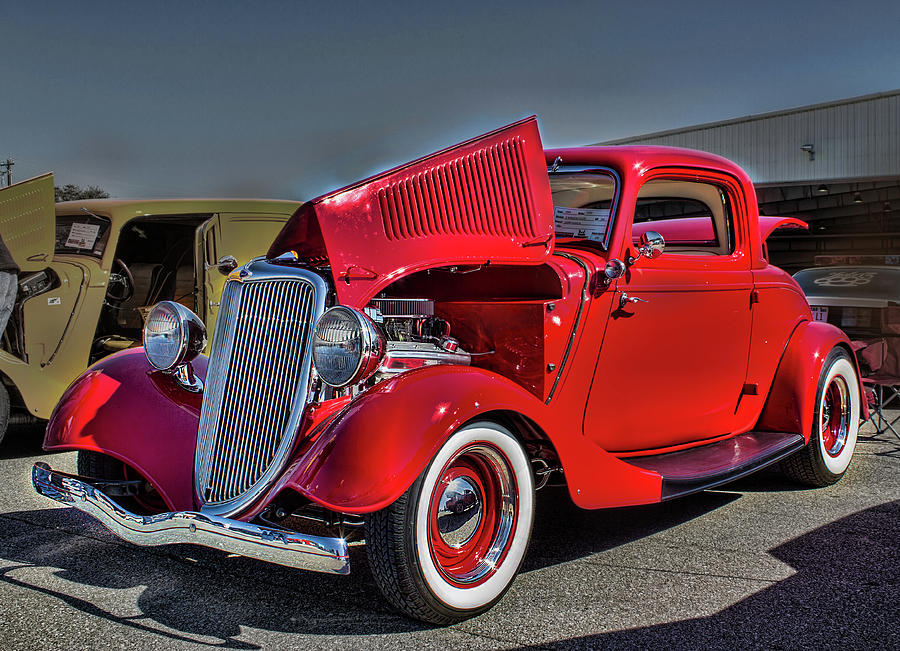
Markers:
<point>50,290</point>
<point>674,357</point>
<point>243,236</point>
<point>27,221</point>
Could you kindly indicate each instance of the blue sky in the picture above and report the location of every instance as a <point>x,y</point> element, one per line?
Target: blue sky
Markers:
<point>291,99</point>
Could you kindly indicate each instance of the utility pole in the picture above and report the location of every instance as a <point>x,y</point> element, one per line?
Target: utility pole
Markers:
<point>8,171</point>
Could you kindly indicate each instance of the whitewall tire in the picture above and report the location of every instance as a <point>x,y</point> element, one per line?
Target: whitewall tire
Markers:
<point>835,425</point>
<point>453,543</point>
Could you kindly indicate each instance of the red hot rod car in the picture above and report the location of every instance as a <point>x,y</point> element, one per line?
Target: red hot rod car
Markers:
<point>420,351</point>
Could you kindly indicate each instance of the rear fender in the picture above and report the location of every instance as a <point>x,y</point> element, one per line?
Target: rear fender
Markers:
<point>791,402</point>
<point>373,451</point>
<point>124,408</point>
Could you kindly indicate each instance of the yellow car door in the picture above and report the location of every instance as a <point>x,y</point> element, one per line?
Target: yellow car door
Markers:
<point>28,221</point>
<point>28,228</point>
<point>242,236</point>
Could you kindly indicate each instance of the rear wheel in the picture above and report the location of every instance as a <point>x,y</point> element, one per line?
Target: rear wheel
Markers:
<point>452,544</point>
<point>835,425</point>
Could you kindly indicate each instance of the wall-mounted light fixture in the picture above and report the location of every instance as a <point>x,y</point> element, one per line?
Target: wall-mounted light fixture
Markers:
<point>822,189</point>
<point>857,197</point>
<point>809,149</point>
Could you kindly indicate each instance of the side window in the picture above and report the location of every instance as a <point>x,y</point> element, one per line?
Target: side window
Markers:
<point>210,238</point>
<point>694,218</point>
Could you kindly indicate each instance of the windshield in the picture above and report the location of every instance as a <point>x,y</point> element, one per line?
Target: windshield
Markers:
<point>84,234</point>
<point>582,204</point>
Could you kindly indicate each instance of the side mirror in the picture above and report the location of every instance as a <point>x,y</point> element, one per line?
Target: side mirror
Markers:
<point>652,246</point>
<point>225,265</point>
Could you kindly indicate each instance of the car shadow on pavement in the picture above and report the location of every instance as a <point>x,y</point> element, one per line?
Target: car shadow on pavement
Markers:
<point>188,593</point>
<point>888,444</point>
<point>843,595</point>
<point>564,532</point>
<point>22,441</point>
<point>184,592</point>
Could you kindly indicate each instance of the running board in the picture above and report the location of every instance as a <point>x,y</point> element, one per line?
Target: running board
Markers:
<point>696,469</point>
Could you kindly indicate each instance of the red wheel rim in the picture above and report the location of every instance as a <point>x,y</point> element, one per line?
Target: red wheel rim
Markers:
<point>472,514</point>
<point>834,416</point>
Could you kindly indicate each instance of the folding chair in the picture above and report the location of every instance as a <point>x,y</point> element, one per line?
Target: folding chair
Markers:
<point>883,357</point>
<point>887,396</point>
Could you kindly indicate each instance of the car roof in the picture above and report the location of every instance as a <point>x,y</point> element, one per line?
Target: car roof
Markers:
<point>646,157</point>
<point>122,210</point>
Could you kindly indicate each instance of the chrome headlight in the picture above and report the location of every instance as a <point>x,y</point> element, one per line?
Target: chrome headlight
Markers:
<point>173,335</point>
<point>347,347</point>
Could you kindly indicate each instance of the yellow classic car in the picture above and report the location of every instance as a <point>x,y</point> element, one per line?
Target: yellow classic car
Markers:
<point>88,270</point>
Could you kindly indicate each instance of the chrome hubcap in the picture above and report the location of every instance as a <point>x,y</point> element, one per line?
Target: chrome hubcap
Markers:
<point>472,514</point>
<point>460,511</point>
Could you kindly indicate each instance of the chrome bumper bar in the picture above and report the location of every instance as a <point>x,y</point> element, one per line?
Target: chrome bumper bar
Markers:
<point>264,543</point>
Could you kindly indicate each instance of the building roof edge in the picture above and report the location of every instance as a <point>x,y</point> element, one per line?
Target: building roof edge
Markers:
<point>751,118</point>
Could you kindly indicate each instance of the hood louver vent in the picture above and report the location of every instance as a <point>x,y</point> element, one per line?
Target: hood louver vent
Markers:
<point>484,193</point>
<point>485,200</point>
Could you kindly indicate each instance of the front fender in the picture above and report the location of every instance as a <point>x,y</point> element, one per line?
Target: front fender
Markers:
<point>373,451</point>
<point>790,405</point>
<point>123,407</point>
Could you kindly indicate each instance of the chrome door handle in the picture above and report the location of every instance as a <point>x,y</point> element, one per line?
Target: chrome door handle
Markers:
<point>625,298</point>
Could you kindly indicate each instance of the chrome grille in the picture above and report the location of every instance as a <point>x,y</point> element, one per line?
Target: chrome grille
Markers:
<point>256,383</point>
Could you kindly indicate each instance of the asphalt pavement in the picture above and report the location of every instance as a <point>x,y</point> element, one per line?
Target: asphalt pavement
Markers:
<point>758,564</point>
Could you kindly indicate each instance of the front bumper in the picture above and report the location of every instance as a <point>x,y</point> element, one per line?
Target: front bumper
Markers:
<point>264,543</point>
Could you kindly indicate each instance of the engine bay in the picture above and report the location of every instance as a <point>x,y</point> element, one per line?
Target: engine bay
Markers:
<point>416,338</point>
<point>453,316</point>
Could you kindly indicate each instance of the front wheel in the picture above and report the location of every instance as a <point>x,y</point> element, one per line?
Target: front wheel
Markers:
<point>452,544</point>
<point>835,425</point>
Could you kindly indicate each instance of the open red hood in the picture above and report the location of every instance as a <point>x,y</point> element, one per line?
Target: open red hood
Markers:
<point>484,200</point>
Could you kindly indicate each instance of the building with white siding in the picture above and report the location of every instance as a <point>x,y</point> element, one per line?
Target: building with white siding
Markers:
<point>836,165</point>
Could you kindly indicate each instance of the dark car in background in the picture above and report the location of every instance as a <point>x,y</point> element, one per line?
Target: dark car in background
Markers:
<point>864,302</point>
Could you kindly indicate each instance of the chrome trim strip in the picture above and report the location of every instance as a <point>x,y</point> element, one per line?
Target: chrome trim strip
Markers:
<point>400,350</point>
<point>268,544</point>
<point>583,300</point>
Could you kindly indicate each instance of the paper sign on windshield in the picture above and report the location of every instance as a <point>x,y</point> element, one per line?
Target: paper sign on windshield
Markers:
<point>82,236</point>
<point>588,223</point>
